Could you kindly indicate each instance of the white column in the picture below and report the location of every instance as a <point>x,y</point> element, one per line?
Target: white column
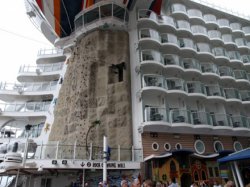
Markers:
<point>238,173</point>
<point>83,177</point>
<point>17,177</point>
<point>234,175</point>
<point>104,159</point>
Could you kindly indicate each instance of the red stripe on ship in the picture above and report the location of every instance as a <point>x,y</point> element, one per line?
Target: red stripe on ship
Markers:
<point>57,15</point>
<point>40,4</point>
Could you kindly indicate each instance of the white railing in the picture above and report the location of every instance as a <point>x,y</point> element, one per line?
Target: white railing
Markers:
<point>57,150</point>
<point>41,68</point>
<point>49,52</point>
<point>25,107</point>
<point>28,87</point>
<point>224,9</point>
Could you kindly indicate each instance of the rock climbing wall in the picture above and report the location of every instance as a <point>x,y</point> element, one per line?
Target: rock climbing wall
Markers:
<point>96,86</point>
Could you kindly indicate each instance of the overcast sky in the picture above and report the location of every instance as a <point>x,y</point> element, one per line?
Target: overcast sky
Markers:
<point>16,51</point>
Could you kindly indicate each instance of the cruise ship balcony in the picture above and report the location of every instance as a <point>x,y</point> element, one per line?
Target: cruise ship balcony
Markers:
<point>232,95</point>
<point>235,59</point>
<point>245,96</point>
<point>237,29</point>
<point>226,73</point>
<point>215,37</point>
<point>241,76</point>
<point>246,31</point>
<point>204,51</point>
<point>229,41</point>
<point>170,43</point>
<point>167,24</point>
<point>17,131</point>
<point>224,25</point>
<point>179,11</point>
<point>246,60</point>
<point>242,45</point>
<point>147,19</point>
<point>191,66</point>
<point>158,119</point>
<point>29,109</point>
<point>34,90</point>
<point>196,89</point>
<point>45,72</point>
<point>195,16</point>
<point>47,56</point>
<point>210,20</point>
<point>215,92</point>
<point>149,38</point>
<point>221,55</point>
<point>210,71</point>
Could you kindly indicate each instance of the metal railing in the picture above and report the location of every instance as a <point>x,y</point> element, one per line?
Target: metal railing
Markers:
<point>42,52</point>
<point>41,68</point>
<point>193,117</point>
<point>57,150</point>
<point>25,107</point>
<point>28,87</point>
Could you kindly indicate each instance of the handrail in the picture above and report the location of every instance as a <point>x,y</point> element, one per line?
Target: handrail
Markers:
<point>25,107</point>
<point>28,87</point>
<point>223,9</point>
<point>41,68</point>
<point>49,52</point>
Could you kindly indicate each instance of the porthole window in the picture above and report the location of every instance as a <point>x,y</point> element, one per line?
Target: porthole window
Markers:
<point>155,146</point>
<point>237,146</point>
<point>218,146</point>
<point>167,146</point>
<point>199,146</point>
<point>178,146</point>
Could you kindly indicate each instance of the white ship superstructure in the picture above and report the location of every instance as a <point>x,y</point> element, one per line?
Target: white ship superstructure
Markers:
<point>167,81</point>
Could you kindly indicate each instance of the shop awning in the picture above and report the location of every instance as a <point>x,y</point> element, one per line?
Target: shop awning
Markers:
<point>240,155</point>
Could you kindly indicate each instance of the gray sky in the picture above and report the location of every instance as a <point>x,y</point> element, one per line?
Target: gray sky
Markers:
<point>16,51</point>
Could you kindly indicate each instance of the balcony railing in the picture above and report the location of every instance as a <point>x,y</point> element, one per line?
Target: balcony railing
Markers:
<point>153,80</point>
<point>190,63</point>
<point>156,114</point>
<point>209,68</point>
<point>226,71</point>
<point>231,93</point>
<point>50,52</point>
<point>214,90</point>
<point>194,117</point>
<point>245,95</point>
<point>25,107</point>
<point>195,87</point>
<point>57,150</point>
<point>240,74</point>
<point>29,87</point>
<point>41,68</point>
<point>102,12</point>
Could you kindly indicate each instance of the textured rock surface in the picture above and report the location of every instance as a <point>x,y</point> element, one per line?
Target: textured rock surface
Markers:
<point>91,91</point>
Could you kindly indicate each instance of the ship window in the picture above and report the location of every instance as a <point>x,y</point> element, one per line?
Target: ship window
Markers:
<point>218,146</point>
<point>178,146</point>
<point>91,16</point>
<point>167,146</point>
<point>118,12</point>
<point>237,146</point>
<point>199,146</point>
<point>106,11</point>
<point>155,146</point>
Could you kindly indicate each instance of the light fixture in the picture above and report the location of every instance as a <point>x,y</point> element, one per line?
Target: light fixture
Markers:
<point>40,169</point>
